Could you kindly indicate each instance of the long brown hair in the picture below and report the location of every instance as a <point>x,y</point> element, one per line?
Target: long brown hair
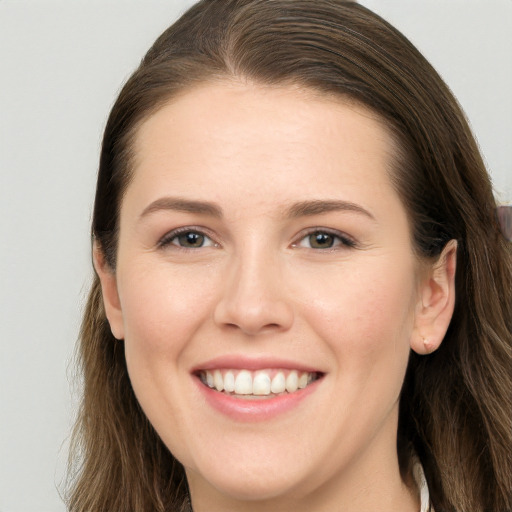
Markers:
<point>455,407</point>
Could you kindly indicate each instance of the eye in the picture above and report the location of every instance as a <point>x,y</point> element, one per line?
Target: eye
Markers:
<point>187,239</point>
<point>323,239</point>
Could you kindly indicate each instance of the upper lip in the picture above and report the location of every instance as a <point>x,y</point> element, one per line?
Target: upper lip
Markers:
<point>239,362</point>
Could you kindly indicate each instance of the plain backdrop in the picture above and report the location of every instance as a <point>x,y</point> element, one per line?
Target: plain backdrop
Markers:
<point>61,65</point>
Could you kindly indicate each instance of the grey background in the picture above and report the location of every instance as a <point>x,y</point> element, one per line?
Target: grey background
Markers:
<point>61,65</point>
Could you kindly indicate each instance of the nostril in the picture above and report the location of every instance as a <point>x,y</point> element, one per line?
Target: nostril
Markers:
<point>256,318</point>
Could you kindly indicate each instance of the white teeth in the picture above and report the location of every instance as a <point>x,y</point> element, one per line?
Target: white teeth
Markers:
<point>292,382</point>
<point>303,380</point>
<point>243,383</point>
<point>218,381</point>
<point>229,382</point>
<point>278,383</point>
<point>261,384</point>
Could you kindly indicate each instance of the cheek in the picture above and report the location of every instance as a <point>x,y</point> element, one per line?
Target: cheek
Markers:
<point>366,315</point>
<point>163,307</point>
<point>163,311</point>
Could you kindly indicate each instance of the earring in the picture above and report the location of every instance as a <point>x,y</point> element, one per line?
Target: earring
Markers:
<point>428,346</point>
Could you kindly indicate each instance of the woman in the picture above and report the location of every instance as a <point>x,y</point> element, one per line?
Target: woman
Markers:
<point>302,298</point>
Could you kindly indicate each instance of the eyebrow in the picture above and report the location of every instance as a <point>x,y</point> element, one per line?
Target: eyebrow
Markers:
<point>318,207</point>
<point>183,205</point>
<point>301,209</point>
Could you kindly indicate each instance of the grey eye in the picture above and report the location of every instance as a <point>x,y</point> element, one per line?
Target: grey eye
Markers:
<point>320,240</point>
<point>191,240</point>
<point>325,239</point>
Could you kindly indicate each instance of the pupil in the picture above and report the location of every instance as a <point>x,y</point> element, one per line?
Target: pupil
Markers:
<point>191,239</point>
<point>321,240</point>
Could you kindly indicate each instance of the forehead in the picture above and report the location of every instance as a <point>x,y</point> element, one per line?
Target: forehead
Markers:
<point>287,136</point>
<point>243,108</point>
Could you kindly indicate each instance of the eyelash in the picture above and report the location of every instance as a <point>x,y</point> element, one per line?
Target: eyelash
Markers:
<point>168,239</point>
<point>344,241</point>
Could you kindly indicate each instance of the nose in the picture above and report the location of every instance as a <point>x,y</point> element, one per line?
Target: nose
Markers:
<point>254,298</point>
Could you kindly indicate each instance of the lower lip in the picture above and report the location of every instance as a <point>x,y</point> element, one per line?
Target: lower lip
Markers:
<point>255,409</point>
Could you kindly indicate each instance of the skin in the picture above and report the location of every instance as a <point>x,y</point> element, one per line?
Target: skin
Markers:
<point>258,288</point>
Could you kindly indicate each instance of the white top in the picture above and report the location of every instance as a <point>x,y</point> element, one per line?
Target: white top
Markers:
<point>421,482</point>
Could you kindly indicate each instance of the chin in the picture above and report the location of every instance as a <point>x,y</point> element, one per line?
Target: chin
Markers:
<point>249,483</point>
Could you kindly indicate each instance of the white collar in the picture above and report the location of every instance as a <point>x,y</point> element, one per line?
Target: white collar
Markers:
<point>419,477</point>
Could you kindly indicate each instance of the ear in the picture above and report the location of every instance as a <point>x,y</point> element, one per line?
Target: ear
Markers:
<point>109,292</point>
<point>436,302</point>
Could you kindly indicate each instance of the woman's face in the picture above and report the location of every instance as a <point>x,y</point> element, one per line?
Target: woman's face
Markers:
<point>263,249</point>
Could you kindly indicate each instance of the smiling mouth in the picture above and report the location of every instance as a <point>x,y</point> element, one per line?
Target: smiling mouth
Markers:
<point>248,384</point>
